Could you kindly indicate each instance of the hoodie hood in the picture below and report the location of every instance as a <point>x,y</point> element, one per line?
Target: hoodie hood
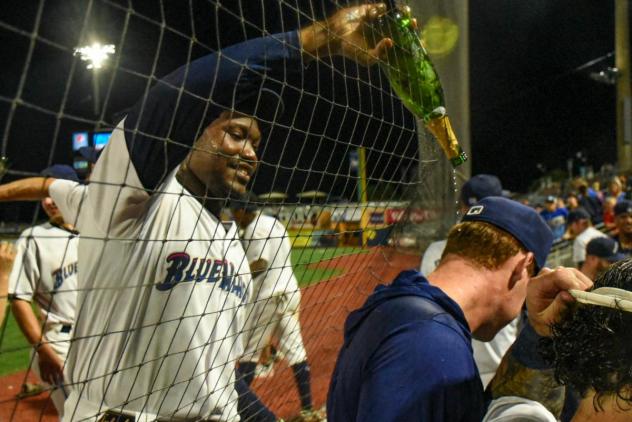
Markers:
<point>407,283</point>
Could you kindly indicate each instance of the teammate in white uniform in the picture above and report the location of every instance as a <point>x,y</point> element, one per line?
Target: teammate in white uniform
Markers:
<point>45,271</point>
<point>276,297</point>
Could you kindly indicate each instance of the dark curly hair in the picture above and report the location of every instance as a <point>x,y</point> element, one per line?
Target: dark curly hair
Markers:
<point>591,348</point>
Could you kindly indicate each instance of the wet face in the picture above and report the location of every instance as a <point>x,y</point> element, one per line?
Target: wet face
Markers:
<point>224,158</point>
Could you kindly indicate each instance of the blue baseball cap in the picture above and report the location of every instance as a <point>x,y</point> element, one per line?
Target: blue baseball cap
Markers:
<point>623,207</point>
<point>60,171</point>
<point>522,222</point>
<point>479,187</point>
<point>576,215</point>
<point>606,248</point>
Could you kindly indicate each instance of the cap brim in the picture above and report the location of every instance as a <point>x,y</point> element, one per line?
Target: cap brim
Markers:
<point>616,257</point>
<point>608,297</point>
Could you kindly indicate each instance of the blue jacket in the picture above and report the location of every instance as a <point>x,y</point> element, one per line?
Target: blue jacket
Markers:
<point>407,356</point>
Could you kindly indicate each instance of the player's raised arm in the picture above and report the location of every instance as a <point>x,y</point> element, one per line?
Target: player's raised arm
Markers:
<point>29,189</point>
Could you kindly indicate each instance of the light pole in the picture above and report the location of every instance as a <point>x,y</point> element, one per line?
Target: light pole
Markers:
<point>96,55</point>
<point>624,95</point>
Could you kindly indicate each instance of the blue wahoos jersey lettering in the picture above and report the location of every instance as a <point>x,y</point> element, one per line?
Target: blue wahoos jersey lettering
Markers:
<point>182,268</point>
<point>61,274</point>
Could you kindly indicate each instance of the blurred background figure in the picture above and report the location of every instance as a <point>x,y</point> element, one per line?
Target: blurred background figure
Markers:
<point>45,275</point>
<point>615,190</point>
<point>601,252</point>
<point>589,200</point>
<point>555,216</point>
<point>623,226</point>
<point>571,201</point>
<point>608,213</point>
<point>582,231</point>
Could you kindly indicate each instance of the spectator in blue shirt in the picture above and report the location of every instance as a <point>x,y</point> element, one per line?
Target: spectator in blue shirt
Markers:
<point>555,217</point>
<point>407,352</point>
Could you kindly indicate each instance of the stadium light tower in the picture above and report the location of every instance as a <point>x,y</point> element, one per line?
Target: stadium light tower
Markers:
<point>96,55</point>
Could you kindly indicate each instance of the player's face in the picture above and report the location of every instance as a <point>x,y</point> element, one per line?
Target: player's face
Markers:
<point>52,211</point>
<point>224,158</point>
<point>510,297</point>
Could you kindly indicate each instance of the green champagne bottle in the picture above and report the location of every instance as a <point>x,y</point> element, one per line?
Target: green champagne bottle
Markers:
<point>414,79</point>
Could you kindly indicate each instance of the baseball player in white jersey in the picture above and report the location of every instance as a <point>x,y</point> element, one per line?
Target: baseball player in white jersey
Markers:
<point>45,272</point>
<point>276,296</point>
<point>164,282</point>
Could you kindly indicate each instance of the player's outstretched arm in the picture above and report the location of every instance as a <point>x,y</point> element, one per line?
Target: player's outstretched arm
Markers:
<point>29,189</point>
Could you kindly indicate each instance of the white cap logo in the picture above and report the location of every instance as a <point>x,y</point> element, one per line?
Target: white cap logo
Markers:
<point>475,210</point>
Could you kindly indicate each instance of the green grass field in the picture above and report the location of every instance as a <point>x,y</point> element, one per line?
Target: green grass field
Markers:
<point>15,351</point>
<point>302,258</point>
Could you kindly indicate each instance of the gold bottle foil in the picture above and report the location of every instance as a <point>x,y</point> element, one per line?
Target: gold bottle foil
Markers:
<point>442,130</point>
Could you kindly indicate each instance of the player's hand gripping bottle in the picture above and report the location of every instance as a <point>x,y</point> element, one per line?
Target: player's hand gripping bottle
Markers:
<point>414,78</point>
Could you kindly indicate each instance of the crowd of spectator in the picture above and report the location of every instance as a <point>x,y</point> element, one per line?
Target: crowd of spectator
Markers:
<point>583,211</point>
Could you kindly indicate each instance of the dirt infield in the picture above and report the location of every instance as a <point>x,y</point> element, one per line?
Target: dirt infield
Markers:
<point>324,308</point>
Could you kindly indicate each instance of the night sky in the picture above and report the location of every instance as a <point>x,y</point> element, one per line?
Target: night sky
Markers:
<point>528,106</point>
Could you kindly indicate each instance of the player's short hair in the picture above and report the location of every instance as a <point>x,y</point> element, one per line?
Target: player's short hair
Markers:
<point>590,347</point>
<point>482,243</point>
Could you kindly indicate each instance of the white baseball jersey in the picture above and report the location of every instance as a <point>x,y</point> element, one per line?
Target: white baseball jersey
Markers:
<point>45,271</point>
<point>161,313</point>
<point>580,242</point>
<point>266,238</point>
<point>276,295</point>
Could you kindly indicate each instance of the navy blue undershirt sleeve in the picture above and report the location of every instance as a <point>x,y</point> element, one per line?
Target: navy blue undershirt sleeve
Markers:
<point>162,126</point>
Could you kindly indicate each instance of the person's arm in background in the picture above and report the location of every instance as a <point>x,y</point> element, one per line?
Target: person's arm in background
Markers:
<point>50,364</point>
<point>68,195</point>
<point>523,372</point>
<point>24,278</point>
<point>7,256</point>
<point>29,189</point>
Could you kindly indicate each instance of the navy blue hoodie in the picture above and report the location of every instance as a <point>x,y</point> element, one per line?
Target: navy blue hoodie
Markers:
<point>407,356</point>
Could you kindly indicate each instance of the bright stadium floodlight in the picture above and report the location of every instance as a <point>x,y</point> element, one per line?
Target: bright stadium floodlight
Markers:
<point>96,55</point>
